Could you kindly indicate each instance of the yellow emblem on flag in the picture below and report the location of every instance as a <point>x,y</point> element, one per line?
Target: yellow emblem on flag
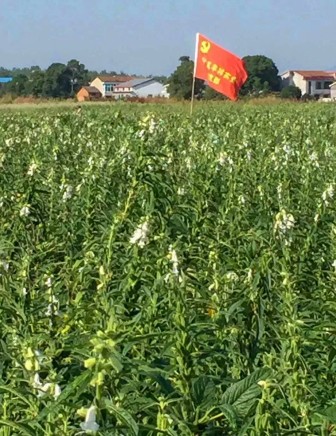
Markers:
<point>205,46</point>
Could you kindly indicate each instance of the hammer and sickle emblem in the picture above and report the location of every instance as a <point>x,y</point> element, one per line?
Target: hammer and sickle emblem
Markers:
<point>205,46</point>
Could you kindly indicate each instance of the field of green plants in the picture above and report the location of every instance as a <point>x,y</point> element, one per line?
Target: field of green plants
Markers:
<point>162,274</point>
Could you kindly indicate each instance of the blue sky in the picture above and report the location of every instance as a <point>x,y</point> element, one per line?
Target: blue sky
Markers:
<point>148,36</point>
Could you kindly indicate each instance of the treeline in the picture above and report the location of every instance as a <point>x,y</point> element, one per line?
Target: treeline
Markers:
<point>57,81</point>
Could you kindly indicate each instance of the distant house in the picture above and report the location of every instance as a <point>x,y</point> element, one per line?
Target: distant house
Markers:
<point>5,80</point>
<point>87,93</point>
<point>315,83</point>
<point>165,91</point>
<point>333,91</point>
<point>142,87</point>
<point>106,83</point>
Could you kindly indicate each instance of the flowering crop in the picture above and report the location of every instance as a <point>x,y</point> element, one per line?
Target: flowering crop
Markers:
<point>168,275</point>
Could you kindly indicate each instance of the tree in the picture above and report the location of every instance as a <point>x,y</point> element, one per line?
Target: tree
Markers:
<point>35,83</point>
<point>291,91</point>
<point>211,94</point>
<point>79,75</point>
<point>180,82</point>
<point>18,85</point>
<point>262,75</point>
<point>57,81</point>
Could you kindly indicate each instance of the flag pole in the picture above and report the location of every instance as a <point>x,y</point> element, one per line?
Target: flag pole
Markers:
<point>194,77</point>
<point>192,95</point>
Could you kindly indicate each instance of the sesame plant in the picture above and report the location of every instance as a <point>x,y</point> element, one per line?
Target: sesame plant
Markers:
<point>163,274</point>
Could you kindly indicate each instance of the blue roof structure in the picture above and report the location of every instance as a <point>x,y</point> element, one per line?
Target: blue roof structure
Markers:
<point>6,79</point>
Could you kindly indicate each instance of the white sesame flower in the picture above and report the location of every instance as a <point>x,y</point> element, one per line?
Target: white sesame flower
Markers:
<point>9,142</point>
<point>52,308</point>
<point>25,211</point>
<point>37,383</point>
<point>241,200</point>
<point>174,260</point>
<point>152,126</point>
<point>334,264</point>
<point>286,148</point>
<point>68,192</point>
<point>90,424</point>
<point>140,235</point>
<point>4,265</point>
<point>24,291</point>
<point>180,191</point>
<point>225,159</point>
<point>32,168</point>
<point>328,194</point>
<point>284,222</point>
<point>38,355</point>
<point>314,159</point>
<point>261,191</point>
<point>232,276</point>
<point>316,218</point>
<point>48,282</point>
<point>57,391</point>
<point>42,389</point>
<point>188,163</point>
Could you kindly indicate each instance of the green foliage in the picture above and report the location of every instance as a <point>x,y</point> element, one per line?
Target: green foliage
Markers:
<point>180,82</point>
<point>173,275</point>
<point>211,94</point>
<point>262,75</point>
<point>291,91</point>
<point>18,85</point>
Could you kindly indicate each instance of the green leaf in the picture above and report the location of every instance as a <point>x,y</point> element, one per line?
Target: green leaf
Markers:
<point>24,429</point>
<point>329,414</point>
<point>203,392</point>
<point>229,413</point>
<point>17,394</point>
<point>242,395</point>
<point>124,417</point>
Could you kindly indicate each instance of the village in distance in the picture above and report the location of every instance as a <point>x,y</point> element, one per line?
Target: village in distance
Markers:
<point>74,81</point>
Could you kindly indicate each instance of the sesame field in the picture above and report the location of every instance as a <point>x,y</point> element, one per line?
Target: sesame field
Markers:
<point>162,274</point>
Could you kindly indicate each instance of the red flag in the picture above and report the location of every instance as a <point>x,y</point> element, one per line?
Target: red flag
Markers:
<point>222,70</point>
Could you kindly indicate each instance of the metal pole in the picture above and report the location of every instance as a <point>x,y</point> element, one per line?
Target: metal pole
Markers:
<point>192,95</point>
<point>194,76</point>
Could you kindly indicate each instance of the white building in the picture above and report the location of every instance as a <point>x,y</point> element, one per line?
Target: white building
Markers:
<point>143,87</point>
<point>314,83</point>
<point>106,83</point>
<point>333,91</point>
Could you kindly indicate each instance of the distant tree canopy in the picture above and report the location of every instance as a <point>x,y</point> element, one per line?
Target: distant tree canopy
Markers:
<point>211,94</point>
<point>291,91</point>
<point>180,82</point>
<point>262,75</point>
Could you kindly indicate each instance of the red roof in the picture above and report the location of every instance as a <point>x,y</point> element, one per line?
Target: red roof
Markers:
<point>316,74</point>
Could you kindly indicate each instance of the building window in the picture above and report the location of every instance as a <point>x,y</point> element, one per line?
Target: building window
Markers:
<point>108,87</point>
<point>318,85</point>
<point>327,85</point>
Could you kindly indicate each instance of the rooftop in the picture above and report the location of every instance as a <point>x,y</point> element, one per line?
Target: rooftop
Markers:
<point>114,79</point>
<point>6,79</point>
<point>315,74</point>
<point>134,82</point>
<point>92,89</point>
